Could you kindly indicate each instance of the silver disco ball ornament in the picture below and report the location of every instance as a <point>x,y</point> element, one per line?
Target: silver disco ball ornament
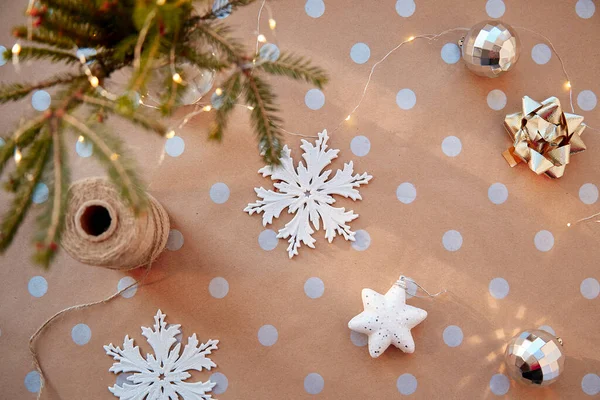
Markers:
<point>490,48</point>
<point>535,357</point>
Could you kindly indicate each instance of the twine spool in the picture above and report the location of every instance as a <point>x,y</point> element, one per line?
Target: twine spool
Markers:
<point>102,230</point>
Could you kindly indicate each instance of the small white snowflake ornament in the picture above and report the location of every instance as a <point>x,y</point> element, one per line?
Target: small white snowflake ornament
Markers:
<point>308,193</point>
<point>387,319</point>
<point>161,376</point>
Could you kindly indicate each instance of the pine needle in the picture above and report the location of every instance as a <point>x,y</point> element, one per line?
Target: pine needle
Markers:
<point>16,91</point>
<point>52,222</point>
<point>121,169</point>
<point>298,68</point>
<point>260,96</point>
<point>231,91</point>
<point>12,220</point>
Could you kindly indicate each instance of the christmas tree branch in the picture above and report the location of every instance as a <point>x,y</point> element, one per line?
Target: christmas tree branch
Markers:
<point>22,137</point>
<point>226,7</point>
<point>86,34</point>
<point>111,154</point>
<point>148,55</point>
<point>17,91</point>
<point>135,117</point>
<point>218,35</point>
<point>259,95</point>
<point>45,36</point>
<point>36,53</point>
<point>297,68</point>
<point>52,222</point>
<point>13,218</point>
<point>232,88</point>
<point>74,7</point>
<point>204,60</point>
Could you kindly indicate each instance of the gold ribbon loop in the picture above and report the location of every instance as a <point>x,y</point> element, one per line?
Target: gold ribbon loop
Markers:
<point>544,136</point>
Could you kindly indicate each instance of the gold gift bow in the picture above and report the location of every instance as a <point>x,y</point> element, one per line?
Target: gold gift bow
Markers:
<point>544,136</point>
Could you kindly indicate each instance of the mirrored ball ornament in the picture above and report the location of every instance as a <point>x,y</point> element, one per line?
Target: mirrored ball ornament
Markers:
<point>490,48</point>
<point>535,357</point>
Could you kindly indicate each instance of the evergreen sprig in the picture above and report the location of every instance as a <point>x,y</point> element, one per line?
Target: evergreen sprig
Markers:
<point>151,39</point>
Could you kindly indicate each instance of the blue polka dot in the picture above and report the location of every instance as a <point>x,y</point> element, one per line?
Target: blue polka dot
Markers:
<point>406,99</point>
<point>314,8</point>
<point>41,100</point>
<point>450,53</point>
<point>314,99</point>
<point>221,8</point>
<point>2,59</point>
<point>360,53</point>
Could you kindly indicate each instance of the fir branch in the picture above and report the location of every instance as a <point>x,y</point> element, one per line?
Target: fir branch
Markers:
<point>16,91</point>
<point>45,36</point>
<point>51,223</point>
<point>23,167</point>
<point>232,88</point>
<point>136,117</point>
<point>298,68</point>
<point>13,218</point>
<point>22,137</point>
<point>148,55</point>
<point>219,35</point>
<point>37,53</point>
<point>121,169</point>
<point>74,7</point>
<point>85,33</point>
<point>7,150</point>
<point>227,6</point>
<point>203,60</point>
<point>260,96</point>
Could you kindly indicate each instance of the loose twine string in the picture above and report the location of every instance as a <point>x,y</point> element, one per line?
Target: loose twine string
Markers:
<point>131,245</point>
<point>40,330</point>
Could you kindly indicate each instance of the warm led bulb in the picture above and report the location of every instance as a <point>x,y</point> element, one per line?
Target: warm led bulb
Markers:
<point>410,39</point>
<point>250,108</point>
<point>568,85</point>
<point>177,78</point>
<point>18,155</point>
<point>219,91</point>
<point>272,24</point>
<point>114,156</point>
<point>348,118</point>
<point>16,49</point>
<point>81,139</point>
<point>261,38</point>
<point>206,108</point>
<point>160,2</point>
<point>170,134</point>
<point>94,81</point>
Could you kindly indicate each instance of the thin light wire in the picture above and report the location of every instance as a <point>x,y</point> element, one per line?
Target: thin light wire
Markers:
<point>258,23</point>
<point>587,219</point>
<point>429,37</point>
<point>402,283</point>
<point>562,64</point>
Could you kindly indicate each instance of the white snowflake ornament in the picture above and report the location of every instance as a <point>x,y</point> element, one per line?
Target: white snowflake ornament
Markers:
<point>387,319</point>
<point>307,193</point>
<point>161,376</point>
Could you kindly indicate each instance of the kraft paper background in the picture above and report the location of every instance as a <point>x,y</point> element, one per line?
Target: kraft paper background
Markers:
<point>266,288</point>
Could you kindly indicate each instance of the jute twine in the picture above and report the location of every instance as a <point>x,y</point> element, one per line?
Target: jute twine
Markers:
<point>101,230</point>
<point>121,242</point>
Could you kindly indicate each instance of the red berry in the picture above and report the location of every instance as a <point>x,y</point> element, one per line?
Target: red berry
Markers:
<point>53,246</point>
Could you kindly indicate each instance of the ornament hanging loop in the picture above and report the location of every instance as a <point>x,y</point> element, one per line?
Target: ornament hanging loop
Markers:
<point>402,282</point>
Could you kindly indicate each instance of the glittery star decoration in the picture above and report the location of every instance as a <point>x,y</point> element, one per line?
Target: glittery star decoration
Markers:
<point>387,319</point>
